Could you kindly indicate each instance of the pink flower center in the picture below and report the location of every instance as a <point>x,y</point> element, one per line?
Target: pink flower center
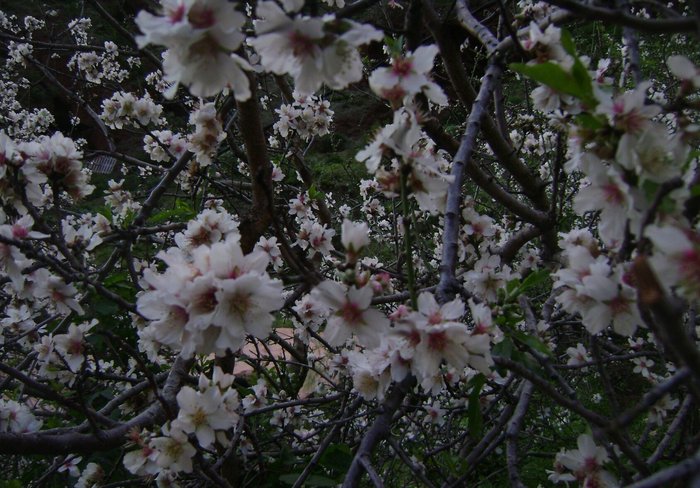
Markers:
<point>201,18</point>
<point>619,305</point>
<point>613,194</point>
<point>302,45</point>
<point>178,14</point>
<point>352,314</point>
<point>19,232</point>
<point>437,341</point>
<point>690,265</point>
<point>394,94</point>
<point>435,318</point>
<point>402,67</point>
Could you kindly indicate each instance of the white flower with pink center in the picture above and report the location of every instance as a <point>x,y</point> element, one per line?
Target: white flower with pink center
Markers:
<point>200,36</point>
<point>312,50</point>
<point>408,76</point>
<point>608,193</point>
<point>350,314</point>
<point>586,463</point>
<point>676,258</point>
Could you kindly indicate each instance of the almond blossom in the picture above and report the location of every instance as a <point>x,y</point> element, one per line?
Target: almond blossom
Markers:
<point>676,258</point>
<point>201,414</point>
<point>200,37</point>
<point>606,191</point>
<point>408,76</point>
<point>312,50</point>
<point>350,314</point>
<point>586,464</point>
<point>684,69</point>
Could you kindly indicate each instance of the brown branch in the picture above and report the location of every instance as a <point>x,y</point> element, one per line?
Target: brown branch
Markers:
<point>74,442</point>
<point>448,283</point>
<point>378,431</point>
<point>618,17</point>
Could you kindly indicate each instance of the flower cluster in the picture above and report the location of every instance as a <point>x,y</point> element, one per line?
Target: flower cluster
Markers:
<point>97,67</point>
<point>307,116</point>
<point>408,149</point>
<point>208,133</point>
<point>164,146</point>
<point>124,109</point>
<point>206,413</point>
<point>599,292</point>
<point>584,464</point>
<point>210,298</point>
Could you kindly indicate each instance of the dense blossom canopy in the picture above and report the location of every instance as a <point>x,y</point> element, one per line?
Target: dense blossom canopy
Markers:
<point>293,244</point>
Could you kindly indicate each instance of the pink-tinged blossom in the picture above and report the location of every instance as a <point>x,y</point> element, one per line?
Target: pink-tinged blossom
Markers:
<point>202,414</point>
<point>208,133</point>
<point>434,414</point>
<point>270,247</point>
<point>70,466</point>
<point>7,152</point>
<point>642,365</point>
<point>586,464</point>
<point>607,192</point>
<point>486,279</point>
<point>57,159</point>
<point>370,374</point>
<point>408,76</point>
<point>60,295</point>
<point>443,338</point>
<point>315,237</point>
<point>578,355</point>
<point>174,452</point>
<point>613,301</point>
<point>684,69</point>
<point>72,345</point>
<point>676,258</point>
<point>629,112</point>
<point>398,137</point>
<point>12,261</point>
<point>17,418</point>
<point>546,46</point>
<point>209,301</point>
<point>653,153</point>
<point>354,236</point>
<point>350,314</point>
<point>200,37</point>
<point>312,50</point>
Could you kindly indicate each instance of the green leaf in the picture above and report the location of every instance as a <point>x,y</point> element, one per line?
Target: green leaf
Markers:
<point>315,193</point>
<point>11,484</point>
<point>476,420</point>
<point>182,211</point>
<point>589,121</point>
<point>533,280</point>
<point>577,83</point>
<point>503,349</point>
<point>338,457</point>
<point>531,341</point>
<point>103,306</point>
<point>567,42</point>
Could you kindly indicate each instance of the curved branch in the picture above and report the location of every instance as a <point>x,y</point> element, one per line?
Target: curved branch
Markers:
<point>74,442</point>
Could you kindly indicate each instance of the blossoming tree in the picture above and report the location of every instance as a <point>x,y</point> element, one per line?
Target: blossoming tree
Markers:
<point>506,294</point>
